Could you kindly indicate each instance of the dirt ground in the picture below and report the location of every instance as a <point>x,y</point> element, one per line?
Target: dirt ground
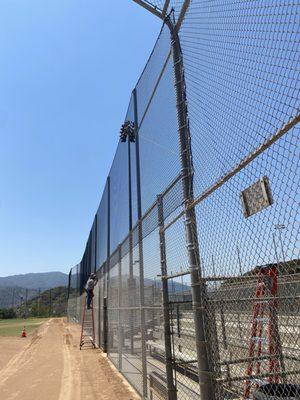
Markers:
<point>48,365</point>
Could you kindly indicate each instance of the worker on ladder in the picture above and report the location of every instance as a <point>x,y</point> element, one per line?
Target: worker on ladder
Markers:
<point>89,287</point>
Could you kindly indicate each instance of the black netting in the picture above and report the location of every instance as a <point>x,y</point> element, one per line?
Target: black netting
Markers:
<point>102,227</point>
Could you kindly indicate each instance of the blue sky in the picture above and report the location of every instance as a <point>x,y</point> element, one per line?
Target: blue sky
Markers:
<point>67,69</point>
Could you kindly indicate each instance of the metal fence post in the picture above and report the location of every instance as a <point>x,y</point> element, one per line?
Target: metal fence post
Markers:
<point>140,244</point>
<point>131,286</point>
<point>120,335</point>
<point>99,306</point>
<point>105,325</point>
<point>207,387</point>
<point>95,238</point>
<point>172,393</point>
<point>106,275</point>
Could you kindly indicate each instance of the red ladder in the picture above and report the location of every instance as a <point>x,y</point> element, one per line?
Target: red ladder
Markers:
<point>265,340</point>
<point>87,326</point>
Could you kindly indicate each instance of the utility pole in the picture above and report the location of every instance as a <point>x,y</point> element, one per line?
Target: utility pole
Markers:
<point>13,298</point>
<point>280,227</point>
<point>275,248</point>
<point>50,303</point>
<point>26,299</point>
<point>39,301</point>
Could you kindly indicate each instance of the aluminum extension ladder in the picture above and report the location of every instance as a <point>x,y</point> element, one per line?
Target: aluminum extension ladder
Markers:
<point>87,336</point>
<point>265,345</point>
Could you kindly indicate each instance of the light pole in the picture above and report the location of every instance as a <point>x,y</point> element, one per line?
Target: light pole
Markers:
<point>280,227</point>
<point>275,248</point>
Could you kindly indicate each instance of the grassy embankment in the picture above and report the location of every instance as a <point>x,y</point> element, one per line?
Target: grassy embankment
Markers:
<point>13,327</point>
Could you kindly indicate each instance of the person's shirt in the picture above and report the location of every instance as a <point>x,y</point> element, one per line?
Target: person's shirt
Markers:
<point>91,283</point>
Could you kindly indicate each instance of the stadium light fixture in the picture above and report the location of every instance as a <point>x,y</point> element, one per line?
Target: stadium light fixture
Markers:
<point>127,131</point>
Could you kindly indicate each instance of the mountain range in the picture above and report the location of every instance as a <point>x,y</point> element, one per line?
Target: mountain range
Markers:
<point>16,288</point>
<point>43,280</point>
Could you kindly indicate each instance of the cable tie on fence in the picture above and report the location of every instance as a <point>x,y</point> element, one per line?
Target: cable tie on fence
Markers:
<point>197,305</point>
<point>177,83</point>
<point>185,176</point>
<point>198,308</point>
<point>209,373</point>
<point>200,282</point>
<point>185,171</point>
<point>180,103</point>
<point>190,246</point>
<point>182,127</point>
<point>178,61</point>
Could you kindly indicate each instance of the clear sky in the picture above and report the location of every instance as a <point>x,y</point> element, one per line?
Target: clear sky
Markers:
<point>67,68</point>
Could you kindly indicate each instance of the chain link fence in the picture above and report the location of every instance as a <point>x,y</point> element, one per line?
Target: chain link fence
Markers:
<point>196,239</point>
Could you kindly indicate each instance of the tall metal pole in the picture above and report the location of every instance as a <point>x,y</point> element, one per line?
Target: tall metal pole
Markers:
<point>140,244</point>
<point>275,248</point>
<point>131,285</point>
<point>95,268</point>
<point>206,381</point>
<point>39,302</point>
<point>120,328</point>
<point>13,298</point>
<point>281,244</point>
<point>50,302</point>
<point>95,237</point>
<point>106,275</point>
<point>279,227</point>
<point>172,392</point>
<point>100,296</point>
<point>26,299</point>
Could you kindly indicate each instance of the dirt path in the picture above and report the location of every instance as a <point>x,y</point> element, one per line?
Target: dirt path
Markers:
<point>9,347</point>
<point>50,366</point>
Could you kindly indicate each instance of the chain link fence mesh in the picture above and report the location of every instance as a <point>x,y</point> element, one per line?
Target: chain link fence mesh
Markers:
<point>240,74</point>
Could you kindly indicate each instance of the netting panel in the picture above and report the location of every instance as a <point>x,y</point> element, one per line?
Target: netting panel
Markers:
<point>119,197</point>
<point>152,72</point>
<point>102,228</point>
<point>159,142</point>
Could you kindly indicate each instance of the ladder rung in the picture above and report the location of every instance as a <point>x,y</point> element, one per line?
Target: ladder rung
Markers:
<point>259,339</point>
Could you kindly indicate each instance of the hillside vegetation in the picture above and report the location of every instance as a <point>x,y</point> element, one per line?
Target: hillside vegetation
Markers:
<point>51,302</point>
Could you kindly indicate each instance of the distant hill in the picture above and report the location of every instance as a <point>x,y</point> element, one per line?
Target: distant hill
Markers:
<point>43,281</point>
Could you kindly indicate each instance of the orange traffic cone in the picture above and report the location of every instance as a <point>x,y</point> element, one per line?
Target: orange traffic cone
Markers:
<point>24,334</point>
